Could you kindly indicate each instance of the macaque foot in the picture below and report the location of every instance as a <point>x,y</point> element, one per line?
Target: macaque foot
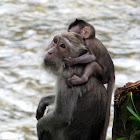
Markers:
<point>75,80</point>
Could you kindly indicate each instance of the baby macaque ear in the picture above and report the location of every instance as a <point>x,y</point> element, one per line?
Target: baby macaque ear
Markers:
<point>86,32</point>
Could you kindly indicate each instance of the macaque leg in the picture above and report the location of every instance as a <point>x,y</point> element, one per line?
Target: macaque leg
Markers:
<point>47,123</point>
<point>56,134</point>
<point>91,69</point>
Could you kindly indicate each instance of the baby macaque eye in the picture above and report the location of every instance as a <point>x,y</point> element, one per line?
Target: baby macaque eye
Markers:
<point>55,41</point>
<point>63,46</point>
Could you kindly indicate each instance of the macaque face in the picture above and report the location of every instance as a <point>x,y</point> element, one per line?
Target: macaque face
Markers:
<point>84,32</point>
<point>59,48</point>
<point>65,45</point>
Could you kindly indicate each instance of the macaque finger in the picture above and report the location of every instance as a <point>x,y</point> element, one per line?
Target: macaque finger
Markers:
<point>74,77</point>
<point>39,113</point>
<point>74,82</point>
<point>69,83</point>
<point>69,61</point>
<point>68,58</point>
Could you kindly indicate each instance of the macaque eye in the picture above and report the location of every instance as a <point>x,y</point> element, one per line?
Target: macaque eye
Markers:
<point>63,46</point>
<point>55,41</point>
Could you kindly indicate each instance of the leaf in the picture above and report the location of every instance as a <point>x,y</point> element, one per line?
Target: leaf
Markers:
<point>132,112</point>
<point>123,138</point>
<point>125,114</point>
<point>135,122</point>
<point>132,118</point>
<point>133,103</point>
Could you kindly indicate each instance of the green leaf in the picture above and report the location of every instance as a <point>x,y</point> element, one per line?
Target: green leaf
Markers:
<point>132,112</point>
<point>125,114</point>
<point>123,138</point>
<point>133,103</point>
<point>135,123</point>
<point>132,118</point>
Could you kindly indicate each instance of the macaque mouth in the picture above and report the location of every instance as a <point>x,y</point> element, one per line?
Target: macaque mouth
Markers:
<point>47,62</point>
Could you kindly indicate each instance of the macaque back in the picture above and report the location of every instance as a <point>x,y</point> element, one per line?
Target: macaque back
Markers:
<point>100,66</point>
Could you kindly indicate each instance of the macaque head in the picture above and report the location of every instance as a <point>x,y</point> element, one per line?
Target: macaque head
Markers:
<point>67,44</point>
<point>83,28</point>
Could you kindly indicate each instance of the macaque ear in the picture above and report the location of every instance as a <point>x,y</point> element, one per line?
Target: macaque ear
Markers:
<point>86,32</point>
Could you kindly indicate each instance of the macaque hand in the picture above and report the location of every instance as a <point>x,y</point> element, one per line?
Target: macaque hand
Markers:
<point>70,61</point>
<point>75,80</point>
<point>39,112</point>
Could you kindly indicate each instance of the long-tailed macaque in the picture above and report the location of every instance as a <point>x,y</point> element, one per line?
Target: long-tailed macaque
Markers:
<point>79,112</point>
<point>99,62</point>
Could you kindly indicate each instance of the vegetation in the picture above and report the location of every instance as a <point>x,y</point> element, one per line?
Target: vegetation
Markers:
<point>130,113</point>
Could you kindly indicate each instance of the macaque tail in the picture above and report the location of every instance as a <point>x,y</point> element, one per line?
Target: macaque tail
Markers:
<point>110,87</point>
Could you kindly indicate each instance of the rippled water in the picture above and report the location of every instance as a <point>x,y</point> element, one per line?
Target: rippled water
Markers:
<point>25,28</point>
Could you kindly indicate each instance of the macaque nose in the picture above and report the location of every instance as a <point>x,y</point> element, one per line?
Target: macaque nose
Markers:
<point>49,53</point>
<point>47,56</point>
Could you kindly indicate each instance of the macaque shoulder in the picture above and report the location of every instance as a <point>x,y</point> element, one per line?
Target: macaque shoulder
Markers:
<point>101,50</point>
<point>98,43</point>
<point>94,46</point>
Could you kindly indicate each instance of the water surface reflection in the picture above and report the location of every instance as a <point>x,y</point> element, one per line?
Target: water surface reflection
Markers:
<point>25,28</point>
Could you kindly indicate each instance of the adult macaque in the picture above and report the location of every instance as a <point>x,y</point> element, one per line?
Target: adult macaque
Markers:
<point>100,63</point>
<point>79,112</point>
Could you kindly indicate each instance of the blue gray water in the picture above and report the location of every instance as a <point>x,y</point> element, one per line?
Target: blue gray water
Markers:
<point>25,28</point>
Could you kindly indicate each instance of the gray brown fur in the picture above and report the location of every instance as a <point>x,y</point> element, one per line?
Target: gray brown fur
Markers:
<point>79,112</point>
<point>102,67</point>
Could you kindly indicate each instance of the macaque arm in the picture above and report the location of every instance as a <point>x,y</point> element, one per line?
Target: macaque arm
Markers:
<point>44,102</point>
<point>92,68</point>
<point>86,58</point>
<point>57,118</point>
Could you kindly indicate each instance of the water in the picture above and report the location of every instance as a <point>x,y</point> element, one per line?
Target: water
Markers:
<point>25,28</point>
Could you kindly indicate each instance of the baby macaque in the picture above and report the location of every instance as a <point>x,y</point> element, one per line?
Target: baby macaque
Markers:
<point>99,62</point>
